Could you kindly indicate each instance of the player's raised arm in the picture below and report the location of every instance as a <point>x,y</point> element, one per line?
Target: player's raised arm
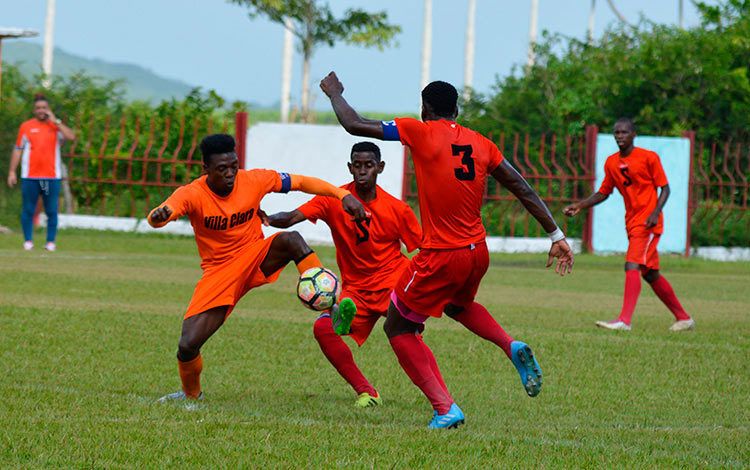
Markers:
<point>312,185</point>
<point>347,116</point>
<point>506,175</point>
<point>284,219</point>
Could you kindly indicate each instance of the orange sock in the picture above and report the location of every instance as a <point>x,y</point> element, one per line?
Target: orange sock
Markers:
<point>309,261</point>
<point>190,373</point>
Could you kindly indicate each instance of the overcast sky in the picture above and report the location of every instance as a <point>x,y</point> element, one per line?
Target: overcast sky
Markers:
<point>213,44</point>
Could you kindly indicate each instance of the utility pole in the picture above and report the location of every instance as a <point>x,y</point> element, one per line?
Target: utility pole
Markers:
<point>426,44</point>
<point>469,50</point>
<point>680,10</point>
<point>49,43</point>
<point>592,14</point>
<point>532,32</point>
<point>286,69</point>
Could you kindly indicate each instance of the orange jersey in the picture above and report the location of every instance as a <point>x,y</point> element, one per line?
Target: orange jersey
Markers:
<point>451,164</point>
<point>39,143</point>
<point>368,252</point>
<point>636,177</point>
<point>224,226</point>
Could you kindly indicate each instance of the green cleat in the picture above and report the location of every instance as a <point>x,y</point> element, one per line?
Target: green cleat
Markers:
<point>342,316</point>
<point>365,400</point>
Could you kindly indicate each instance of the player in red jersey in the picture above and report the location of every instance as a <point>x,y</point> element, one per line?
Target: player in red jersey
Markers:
<point>452,164</point>
<point>369,256</point>
<point>637,173</point>
<point>223,208</point>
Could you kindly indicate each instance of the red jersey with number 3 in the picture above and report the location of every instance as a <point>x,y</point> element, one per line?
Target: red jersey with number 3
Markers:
<point>451,164</point>
<point>368,252</point>
<point>637,177</point>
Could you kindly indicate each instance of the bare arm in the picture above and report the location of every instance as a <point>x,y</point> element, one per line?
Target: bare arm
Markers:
<point>653,218</point>
<point>67,132</point>
<point>575,208</point>
<point>285,219</point>
<point>350,120</point>
<point>15,159</point>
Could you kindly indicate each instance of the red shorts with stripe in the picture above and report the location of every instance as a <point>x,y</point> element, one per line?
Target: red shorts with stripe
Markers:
<point>436,278</point>
<point>371,306</point>
<point>642,248</point>
<point>226,283</point>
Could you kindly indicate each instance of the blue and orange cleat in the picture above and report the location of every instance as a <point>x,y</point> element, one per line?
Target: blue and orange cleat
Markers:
<point>450,420</point>
<point>342,316</point>
<point>527,366</point>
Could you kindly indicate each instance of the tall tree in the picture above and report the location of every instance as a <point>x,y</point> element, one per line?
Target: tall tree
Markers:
<point>315,24</point>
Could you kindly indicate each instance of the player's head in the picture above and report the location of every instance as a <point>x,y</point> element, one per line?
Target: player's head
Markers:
<point>439,101</point>
<point>219,162</point>
<point>41,107</point>
<point>365,165</point>
<point>624,132</point>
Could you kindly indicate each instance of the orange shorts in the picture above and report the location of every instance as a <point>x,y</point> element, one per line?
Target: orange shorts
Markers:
<point>371,306</point>
<point>642,248</point>
<point>226,283</point>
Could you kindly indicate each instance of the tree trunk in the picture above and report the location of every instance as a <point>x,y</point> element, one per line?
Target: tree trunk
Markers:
<point>426,44</point>
<point>305,87</point>
<point>469,49</point>
<point>532,33</point>
<point>286,69</point>
<point>49,43</point>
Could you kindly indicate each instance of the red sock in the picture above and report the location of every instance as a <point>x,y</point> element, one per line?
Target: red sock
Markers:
<point>416,363</point>
<point>478,320</point>
<point>190,374</point>
<point>663,289</point>
<point>630,298</point>
<point>340,356</point>
<point>433,364</point>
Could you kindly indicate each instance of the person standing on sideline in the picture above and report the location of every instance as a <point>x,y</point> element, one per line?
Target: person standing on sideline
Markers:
<point>637,173</point>
<point>38,151</point>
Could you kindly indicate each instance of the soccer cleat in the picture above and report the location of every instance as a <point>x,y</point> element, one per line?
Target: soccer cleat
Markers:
<point>342,315</point>
<point>527,366</point>
<point>28,245</point>
<point>50,246</point>
<point>683,325</point>
<point>191,404</point>
<point>613,325</point>
<point>365,400</point>
<point>452,419</point>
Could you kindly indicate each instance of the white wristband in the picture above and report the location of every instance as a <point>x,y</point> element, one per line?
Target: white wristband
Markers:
<point>557,235</point>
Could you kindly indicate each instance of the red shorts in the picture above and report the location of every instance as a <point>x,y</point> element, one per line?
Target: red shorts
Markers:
<point>371,306</point>
<point>226,283</point>
<point>436,278</point>
<point>642,248</point>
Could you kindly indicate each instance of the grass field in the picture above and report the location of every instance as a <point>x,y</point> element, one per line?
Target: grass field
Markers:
<point>88,336</point>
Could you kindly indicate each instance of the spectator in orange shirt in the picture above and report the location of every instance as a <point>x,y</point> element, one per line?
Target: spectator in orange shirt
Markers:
<point>37,150</point>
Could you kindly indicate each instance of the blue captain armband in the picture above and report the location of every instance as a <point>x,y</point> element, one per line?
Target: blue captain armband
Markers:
<point>390,131</point>
<point>286,182</point>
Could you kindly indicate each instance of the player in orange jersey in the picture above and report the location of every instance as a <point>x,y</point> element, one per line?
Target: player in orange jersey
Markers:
<point>637,173</point>
<point>452,164</point>
<point>369,256</point>
<point>223,209</point>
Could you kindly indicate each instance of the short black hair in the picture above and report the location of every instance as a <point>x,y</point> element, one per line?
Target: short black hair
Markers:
<point>40,97</point>
<point>215,144</point>
<point>627,121</point>
<point>442,98</point>
<point>366,147</point>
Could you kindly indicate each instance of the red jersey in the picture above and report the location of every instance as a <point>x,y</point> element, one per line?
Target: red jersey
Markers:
<point>39,143</point>
<point>224,226</point>
<point>636,177</point>
<point>451,164</point>
<point>368,252</point>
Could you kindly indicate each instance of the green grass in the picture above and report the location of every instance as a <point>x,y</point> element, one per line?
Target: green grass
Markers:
<point>88,336</point>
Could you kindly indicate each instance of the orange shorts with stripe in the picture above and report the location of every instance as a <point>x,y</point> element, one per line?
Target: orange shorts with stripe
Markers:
<point>371,306</point>
<point>227,283</point>
<point>642,248</point>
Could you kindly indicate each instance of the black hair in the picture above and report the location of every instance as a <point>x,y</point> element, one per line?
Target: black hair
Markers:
<point>215,144</point>
<point>366,147</point>
<point>40,97</point>
<point>442,98</point>
<point>628,121</point>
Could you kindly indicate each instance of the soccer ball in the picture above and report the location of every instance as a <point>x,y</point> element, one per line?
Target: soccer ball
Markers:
<point>318,289</point>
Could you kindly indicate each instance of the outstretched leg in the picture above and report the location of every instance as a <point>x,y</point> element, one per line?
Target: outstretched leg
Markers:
<point>478,320</point>
<point>663,289</point>
<point>195,332</point>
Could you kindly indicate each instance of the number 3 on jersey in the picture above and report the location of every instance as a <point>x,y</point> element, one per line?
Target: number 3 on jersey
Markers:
<point>466,172</point>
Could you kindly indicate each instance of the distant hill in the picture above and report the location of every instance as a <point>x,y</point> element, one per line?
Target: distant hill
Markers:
<point>140,83</point>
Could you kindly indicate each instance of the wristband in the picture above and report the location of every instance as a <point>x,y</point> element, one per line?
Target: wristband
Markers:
<point>557,235</point>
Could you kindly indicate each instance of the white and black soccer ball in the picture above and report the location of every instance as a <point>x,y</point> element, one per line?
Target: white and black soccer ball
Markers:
<point>318,289</point>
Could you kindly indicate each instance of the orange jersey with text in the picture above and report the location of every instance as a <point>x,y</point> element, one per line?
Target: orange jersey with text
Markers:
<point>39,143</point>
<point>451,164</point>
<point>224,226</point>
<point>368,252</point>
<point>637,177</point>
